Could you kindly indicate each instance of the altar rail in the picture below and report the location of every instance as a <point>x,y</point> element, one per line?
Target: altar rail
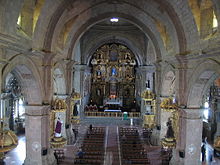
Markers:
<point>111,114</point>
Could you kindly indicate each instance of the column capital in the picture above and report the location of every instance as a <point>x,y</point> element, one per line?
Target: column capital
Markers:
<point>37,110</point>
<point>80,67</point>
<point>192,113</point>
<point>146,68</point>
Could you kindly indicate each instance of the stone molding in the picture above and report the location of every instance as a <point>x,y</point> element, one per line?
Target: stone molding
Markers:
<point>35,110</point>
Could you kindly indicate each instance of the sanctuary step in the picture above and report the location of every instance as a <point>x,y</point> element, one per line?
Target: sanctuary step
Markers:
<point>109,121</point>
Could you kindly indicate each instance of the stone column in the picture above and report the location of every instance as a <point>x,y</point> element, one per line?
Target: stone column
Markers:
<point>146,73</point>
<point>158,80</point>
<point>78,84</point>
<point>217,115</point>
<point>38,150</point>
<point>188,147</point>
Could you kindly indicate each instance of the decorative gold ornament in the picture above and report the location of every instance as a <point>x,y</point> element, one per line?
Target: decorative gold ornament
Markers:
<point>75,95</point>
<point>8,140</point>
<point>147,95</point>
<point>113,67</point>
<point>168,105</point>
<point>168,142</point>
<point>217,143</point>
<point>58,142</point>
<point>149,121</point>
<point>59,105</point>
<point>75,120</point>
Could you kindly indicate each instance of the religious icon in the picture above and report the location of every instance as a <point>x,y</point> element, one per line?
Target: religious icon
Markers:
<point>114,71</point>
<point>58,128</point>
<point>75,110</point>
<point>98,73</point>
<point>170,132</point>
<point>98,92</point>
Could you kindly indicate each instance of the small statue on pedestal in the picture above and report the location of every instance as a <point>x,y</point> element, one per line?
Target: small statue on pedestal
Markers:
<point>170,132</point>
<point>58,128</point>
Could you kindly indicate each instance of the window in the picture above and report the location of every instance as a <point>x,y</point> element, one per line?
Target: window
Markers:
<point>215,22</point>
<point>19,20</point>
<point>206,111</point>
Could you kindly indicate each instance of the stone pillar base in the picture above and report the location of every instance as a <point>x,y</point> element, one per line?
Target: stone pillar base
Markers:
<point>48,159</point>
<point>155,137</point>
<point>190,138</point>
<point>176,160</point>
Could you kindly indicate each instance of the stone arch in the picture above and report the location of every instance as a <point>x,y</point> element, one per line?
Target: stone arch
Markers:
<point>119,40</point>
<point>156,40</point>
<point>27,74</point>
<point>59,80</point>
<point>204,74</point>
<point>146,24</point>
<point>182,40</point>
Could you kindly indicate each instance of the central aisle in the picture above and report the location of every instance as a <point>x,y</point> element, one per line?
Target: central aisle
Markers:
<point>112,156</point>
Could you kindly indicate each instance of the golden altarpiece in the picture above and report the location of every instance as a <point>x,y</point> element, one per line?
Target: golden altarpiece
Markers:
<point>113,75</point>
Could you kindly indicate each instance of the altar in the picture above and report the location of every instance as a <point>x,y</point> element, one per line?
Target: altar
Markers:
<point>112,110</point>
<point>113,101</point>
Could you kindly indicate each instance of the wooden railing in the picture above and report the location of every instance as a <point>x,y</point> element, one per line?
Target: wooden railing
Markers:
<point>111,114</point>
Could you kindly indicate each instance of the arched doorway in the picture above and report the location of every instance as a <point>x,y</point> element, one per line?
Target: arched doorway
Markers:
<point>203,95</point>
<point>21,89</point>
<point>12,103</point>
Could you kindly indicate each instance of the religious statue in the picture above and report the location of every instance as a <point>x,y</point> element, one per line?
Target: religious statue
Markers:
<point>58,128</point>
<point>170,132</point>
<point>75,110</point>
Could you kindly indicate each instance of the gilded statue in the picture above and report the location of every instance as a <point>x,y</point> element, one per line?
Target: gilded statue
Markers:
<point>147,94</point>
<point>168,104</point>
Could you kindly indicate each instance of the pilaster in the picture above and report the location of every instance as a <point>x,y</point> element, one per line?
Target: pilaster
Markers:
<point>217,112</point>
<point>38,150</point>
<point>188,147</point>
<point>79,76</point>
<point>146,78</point>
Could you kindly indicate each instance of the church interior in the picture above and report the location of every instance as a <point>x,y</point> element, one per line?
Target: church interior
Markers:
<point>110,82</point>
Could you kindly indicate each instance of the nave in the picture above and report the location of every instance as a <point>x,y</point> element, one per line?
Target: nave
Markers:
<point>114,148</point>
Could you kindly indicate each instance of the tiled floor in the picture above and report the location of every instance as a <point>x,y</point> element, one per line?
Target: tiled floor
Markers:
<point>209,154</point>
<point>17,155</point>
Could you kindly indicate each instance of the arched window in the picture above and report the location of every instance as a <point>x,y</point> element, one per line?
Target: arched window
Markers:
<point>19,20</point>
<point>215,22</point>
